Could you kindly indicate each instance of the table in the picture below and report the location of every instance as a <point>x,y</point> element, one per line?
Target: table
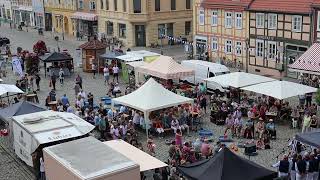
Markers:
<point>31,97</point>
<point>53,105</point>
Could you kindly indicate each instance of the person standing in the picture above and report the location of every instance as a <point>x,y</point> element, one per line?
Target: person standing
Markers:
<point>76,89</point>
<point>292,167</point>
<point>301,169</point>
<point>61,76</point>
<point>306,122</point>
<point>283,167</point>
<point>308,99</point>
<point>79,80</point>
<point>106,74</point>
<point>115,70</point>
<point>53,81</point>
<point>94,70</point>
<point>42,171</point>
<point>38,79</point>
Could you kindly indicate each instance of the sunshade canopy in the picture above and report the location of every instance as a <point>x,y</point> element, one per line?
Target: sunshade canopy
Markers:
<point>310,138</point>
<point>10,89</point>
<point>145,161</point>
<point>55,57</point>
<point>308,62</point>
<point>111,55</point>
<point>166,68</point>
<point>280,89</point>
<point>151,96</point>
<point>136,56</point>
<point>239,79</point>
<point>20,108</point>
<point>136,63</point>
<point>226,166</point>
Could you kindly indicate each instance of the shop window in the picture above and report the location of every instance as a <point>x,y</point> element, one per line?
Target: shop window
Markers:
<point>122,30</point>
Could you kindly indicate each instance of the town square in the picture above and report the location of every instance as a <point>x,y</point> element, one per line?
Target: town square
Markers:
<point>159,89</point>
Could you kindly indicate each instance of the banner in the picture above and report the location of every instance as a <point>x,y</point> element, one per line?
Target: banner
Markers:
<point>16,66</point>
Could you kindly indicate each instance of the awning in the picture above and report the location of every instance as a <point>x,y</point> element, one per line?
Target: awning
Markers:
<point>310,138</point>
<point>25,8</point>
<point>145,161</point>
<point>9,88</point>
<point>309,62</point>
<point>85,16</point>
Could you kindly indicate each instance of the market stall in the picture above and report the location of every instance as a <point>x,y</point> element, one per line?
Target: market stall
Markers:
<point>34,131</point>
<point>91,52</point>
<point>57,60</point>
<point>149,97</point>
<point>88,158</point>
<point>309,138</point>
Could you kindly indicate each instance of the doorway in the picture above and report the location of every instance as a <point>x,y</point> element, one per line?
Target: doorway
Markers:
<point>66,25</point>
<point>140,34</point>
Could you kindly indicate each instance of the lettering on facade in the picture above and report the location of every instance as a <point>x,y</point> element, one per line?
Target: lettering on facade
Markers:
<point>22,142</point>
<point>269,38</point>
<point>65,136</point>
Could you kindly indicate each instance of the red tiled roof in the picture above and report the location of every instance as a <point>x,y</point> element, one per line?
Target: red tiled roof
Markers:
<point>228,4</point>
<point>93,44</point>
<point>316,3</point>
<point>289,6</point>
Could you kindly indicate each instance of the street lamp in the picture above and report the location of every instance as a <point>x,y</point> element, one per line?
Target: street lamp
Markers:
<point>247,54</point>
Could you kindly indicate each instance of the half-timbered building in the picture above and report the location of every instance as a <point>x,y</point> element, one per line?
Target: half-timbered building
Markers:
<point>279,32</point>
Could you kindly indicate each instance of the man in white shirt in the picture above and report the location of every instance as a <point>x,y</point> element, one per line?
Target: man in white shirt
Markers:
<point>106,74</point>
<point>94,70</point>
<point>115,70</point>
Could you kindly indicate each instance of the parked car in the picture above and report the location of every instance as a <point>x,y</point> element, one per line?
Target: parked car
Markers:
<point>204,70</point>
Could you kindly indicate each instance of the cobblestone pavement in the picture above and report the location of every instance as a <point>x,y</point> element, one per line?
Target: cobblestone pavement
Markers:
<point>97,87</point>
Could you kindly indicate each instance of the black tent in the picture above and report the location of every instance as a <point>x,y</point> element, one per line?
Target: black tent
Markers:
<point>310,138</point>
<point>111,55</point>
<point>226,165</point>
<point>55,57</point>
<point>19,108</point>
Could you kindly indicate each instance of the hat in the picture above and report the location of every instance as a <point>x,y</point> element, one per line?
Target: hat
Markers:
<point>260,119</point>
<point>270,120</point>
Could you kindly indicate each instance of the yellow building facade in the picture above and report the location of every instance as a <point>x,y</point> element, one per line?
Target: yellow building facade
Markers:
<point>142,22</point>
<point>61,14</point>
<point>221,29</point>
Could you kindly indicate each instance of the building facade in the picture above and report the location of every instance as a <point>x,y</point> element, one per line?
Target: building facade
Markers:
<point>221,30</point>
<point>38,13</point>
<point>145,22</point>
<point>61,12</point>
<point>22,12</point>
<point>5,10</point>
<point>86,18</point>
<point>279,34</point>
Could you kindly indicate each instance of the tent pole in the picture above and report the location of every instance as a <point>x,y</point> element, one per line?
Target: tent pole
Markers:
<point>145,122</point>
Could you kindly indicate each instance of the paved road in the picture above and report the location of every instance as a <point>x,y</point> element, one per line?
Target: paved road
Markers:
<point>97,87</point>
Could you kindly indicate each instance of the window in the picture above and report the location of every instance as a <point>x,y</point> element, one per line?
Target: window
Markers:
<point>238,48</point>
<point>122,30</point>
<point>124,5</point>
<point>214,18</point>
<point>188,4</point>
<point>115,3</point>
<point>187,28</point>
<point>161,30</point>
<point>260,20</point>
<point>80,4</point>
<point>157,5</point>
<point>238,21</point>
<point>92,5</point>
<point>137,6</point>
<point>107,4</point>
<point>318,26</point>
<point>272,50</point>
<point>272,21</point>
<point>101,4</point>
<point>109,28</point>
<point>228,20</point>
<point>297,23</point>
<point>201,17</point>
<point>170,29</point>
<point>228,48</point>
<point>214,44</point>
<point>259,48</point>
<point>173,5</point>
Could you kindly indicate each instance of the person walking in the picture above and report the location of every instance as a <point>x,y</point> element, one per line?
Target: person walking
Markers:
<point>94,70</point>
<point>115,70</point>
<point>79,80</point>
<point>42,171</point>
<point>106,74</point>
<point>38,79</point>
<point>53,81</point>
<point>306,122</point>
<point>76,89</point>
<point>61,76</point>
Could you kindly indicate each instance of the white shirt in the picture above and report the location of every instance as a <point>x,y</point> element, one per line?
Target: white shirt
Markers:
<point>115,69</point>
<point>122,109</point>
<point>136,118</point>
<point>41,165</point>
<point>106,71</point>
<point>93,67</point>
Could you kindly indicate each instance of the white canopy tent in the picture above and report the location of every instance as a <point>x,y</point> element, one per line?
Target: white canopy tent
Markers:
<point>280,89</point>
<point>10,89</point>
<point>145,161</point>
<point>239,79</point>
<point>149,97</point>
<point>166,68</point>
<point>136,56</point>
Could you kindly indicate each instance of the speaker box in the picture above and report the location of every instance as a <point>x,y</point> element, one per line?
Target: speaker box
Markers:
<point>250,149</point>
